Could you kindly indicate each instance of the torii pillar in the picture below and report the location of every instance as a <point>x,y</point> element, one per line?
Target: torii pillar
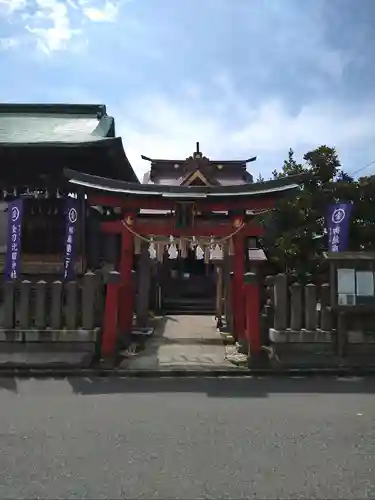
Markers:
<point>127,288</point>
<point>238,297</point>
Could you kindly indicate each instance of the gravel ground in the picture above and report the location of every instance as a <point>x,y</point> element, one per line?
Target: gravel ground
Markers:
<point>187,438</point>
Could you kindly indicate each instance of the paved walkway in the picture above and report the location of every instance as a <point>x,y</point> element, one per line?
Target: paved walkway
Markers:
<point>182,342</point>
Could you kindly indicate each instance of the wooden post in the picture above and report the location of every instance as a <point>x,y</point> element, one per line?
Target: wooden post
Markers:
<point>126,266</point>
<point>325,313</point>
<point>341,335</point>
<point>226,288</point>
<point>310,307</point>
<point>231,304</point>
<point>73,305</point>
<point>9,305</point>
<point>89,292</point>
<point>219,294</point>
<point>25,303</point>
<point>252,308</point>
<point>238,293</point>
<point>109,336</point>
<point>296,306</point>
<point>40,305</point>
<point>126,304</point>
<point>144,285</point>
<point>56,304</point>
<point>280,299</point>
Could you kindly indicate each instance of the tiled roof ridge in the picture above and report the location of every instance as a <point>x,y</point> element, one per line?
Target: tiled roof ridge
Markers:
<point>99,110</point>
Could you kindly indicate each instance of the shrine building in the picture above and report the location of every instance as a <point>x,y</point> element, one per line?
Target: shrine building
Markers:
<point>181,240</point>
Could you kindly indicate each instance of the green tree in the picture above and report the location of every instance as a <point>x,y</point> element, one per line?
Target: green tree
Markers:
<point>295,231</point>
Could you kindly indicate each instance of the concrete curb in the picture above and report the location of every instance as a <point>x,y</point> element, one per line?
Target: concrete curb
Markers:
<point>104,373</point>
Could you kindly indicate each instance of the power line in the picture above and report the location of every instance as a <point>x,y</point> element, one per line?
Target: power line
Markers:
<point>362,168</point>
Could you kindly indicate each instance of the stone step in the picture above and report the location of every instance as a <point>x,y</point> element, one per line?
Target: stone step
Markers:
<point>189,305</point>
<point>189,300</point>
<point>176,312</point>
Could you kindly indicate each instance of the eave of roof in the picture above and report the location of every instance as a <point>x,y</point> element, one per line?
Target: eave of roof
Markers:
<point>360,255</point>
<point>63,127</point>
<point>40,124</point>
<point>218,162</point>
<point>273,187</point>
<point>106,142</point>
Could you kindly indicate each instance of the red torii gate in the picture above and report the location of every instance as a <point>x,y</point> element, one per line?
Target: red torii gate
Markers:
<point>237,201</point>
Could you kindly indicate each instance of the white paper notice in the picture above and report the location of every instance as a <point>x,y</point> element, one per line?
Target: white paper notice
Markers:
<point>365,283</point>
<point>346,281</point>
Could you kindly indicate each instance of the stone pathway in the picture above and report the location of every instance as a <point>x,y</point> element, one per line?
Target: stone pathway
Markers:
<point>182,343</point>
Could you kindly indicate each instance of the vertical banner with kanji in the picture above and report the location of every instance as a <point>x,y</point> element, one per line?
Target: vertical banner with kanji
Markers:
<point>338,223</point>
<point>71,214</point>
<point>13,254</point>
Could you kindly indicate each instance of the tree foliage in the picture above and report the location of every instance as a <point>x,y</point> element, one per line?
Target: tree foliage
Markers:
<point>295,232</point>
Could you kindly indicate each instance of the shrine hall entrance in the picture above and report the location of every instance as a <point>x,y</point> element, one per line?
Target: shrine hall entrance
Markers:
<point>196,267</point>
<point>188,285</point>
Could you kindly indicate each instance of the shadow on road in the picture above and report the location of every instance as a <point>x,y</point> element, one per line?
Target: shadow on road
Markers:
<point>225,387</point>
<point>10,384</point>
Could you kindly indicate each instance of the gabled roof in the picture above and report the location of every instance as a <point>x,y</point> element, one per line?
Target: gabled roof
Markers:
<point>197,175</point>
<point>215,172</point>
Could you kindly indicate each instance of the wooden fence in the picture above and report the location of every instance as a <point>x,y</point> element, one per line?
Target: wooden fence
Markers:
<point>302,313</point>
<point>52,311</point>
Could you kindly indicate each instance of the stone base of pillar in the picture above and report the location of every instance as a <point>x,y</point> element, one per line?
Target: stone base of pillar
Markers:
<point>260,360</point>
<point>243,346</point>
<point>108,362</point>
<point>219,322</point>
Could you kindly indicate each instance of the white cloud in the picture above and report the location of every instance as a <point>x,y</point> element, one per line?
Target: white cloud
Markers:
<point>55,37</point>
<point>8,7</point>
<point>51,24</point>
<point>108,13</point>
<point>160,128</point>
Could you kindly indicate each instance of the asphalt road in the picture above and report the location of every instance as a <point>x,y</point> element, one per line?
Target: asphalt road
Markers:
<point>187,439</point>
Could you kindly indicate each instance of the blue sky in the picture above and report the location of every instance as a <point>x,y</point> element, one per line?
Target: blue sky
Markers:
<point>243,77</point>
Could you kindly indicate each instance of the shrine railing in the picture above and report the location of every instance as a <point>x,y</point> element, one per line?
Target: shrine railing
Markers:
<point>52,311</point>
<point>300,316</point>
<point>300,313</point>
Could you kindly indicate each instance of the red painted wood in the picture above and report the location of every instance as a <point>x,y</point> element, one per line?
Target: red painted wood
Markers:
<point>166,228</point>
<point>136,203</point>
<point>238,272</point>
<point>126,291</point>
<point>252,301</point>
<point>110,329</point>
<point>233,304</point>
<point>126,308</point>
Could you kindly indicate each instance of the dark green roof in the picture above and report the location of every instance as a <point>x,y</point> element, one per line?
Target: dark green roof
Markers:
<point>81,136</point>
<point>36,124</point>
<point>277,188</point>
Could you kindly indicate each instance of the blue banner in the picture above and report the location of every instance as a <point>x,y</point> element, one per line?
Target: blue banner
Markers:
<point>14,231</point>
<point>71,214</point>
<point>338,223</point>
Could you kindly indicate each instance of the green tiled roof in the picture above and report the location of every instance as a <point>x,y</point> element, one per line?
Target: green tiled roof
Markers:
<point>37,124</point>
